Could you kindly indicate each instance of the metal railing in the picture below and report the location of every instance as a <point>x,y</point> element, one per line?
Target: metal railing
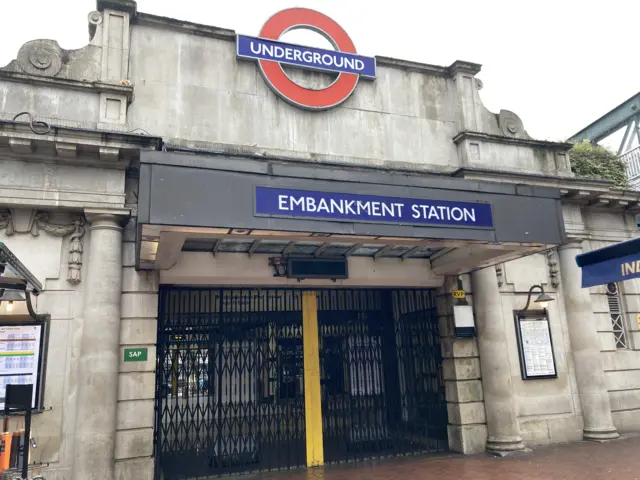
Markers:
<point>632,160</point>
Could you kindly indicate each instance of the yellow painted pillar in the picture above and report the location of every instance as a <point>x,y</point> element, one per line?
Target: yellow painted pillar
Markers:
<point>312,396</point>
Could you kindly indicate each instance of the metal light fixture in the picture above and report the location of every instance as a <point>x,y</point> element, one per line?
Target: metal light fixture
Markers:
<point>542,300</point>
<point>17,283</point>
<point>10,297</point>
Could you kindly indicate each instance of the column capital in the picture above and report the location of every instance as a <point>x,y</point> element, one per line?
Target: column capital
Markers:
<point>572,244</point>
<point>107,218</point>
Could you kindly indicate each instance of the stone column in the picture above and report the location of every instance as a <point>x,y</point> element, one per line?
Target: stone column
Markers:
<point>585,347</point>
<point>98,362</point>
<point>503,432</point>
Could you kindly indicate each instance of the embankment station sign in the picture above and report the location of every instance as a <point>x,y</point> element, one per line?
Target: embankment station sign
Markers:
<point>271,54</point>
<point>280,202</point>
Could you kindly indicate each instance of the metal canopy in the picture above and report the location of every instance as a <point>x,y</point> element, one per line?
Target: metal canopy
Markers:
<point>162,247</point>
<point>319,248</point>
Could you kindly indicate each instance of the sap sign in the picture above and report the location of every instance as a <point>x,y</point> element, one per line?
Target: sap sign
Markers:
<point>369,208</point>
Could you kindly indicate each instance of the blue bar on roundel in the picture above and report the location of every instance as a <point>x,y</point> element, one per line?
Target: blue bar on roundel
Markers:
<point>305,57</point>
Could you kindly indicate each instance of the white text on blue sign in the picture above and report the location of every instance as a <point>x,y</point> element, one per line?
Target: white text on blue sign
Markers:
<point>370,208</point>
<point>305,57</point>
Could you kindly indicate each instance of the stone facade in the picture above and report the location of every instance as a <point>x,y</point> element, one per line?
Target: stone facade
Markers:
<point>68,198</point>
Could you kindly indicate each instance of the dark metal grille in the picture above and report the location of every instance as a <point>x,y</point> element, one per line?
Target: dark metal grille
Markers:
<point>229,382</point>
<point>382,386</point>
<point>230,395</point>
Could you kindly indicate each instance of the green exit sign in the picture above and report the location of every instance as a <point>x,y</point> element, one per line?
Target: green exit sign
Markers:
<point>135,354</point>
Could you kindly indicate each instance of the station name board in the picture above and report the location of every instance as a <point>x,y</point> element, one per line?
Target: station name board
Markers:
<point>279,202</point>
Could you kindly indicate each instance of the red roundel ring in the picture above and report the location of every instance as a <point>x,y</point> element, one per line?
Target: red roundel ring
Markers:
<point>321,99</point>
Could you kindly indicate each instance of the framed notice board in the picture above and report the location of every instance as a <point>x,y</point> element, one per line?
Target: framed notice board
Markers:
<point>22,354</point>
<point>535,345</point>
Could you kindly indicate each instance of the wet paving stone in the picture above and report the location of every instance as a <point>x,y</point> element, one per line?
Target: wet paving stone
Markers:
<point>615,460</point>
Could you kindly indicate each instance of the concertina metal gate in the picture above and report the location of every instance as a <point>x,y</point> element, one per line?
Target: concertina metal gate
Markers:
<point>230,384</point>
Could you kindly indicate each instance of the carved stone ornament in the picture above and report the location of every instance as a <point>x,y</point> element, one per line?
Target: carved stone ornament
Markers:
<point>552,260</point>
<point>95,18</point>
<point>500,274</point>
<point>40,222</point>
<point>40,57</point>
<point>510,124</point>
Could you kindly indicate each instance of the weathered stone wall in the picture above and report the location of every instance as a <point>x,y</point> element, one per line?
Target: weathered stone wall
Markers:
<point>201,96</point>
<point>53,429</point>
<point>548,410</point>
<point>621,365</point>
<point>137,380</point>
<point>467,427</point>
<point>136,384</point>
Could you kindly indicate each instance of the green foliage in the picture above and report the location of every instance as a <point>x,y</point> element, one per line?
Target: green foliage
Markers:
<point>594,161</point>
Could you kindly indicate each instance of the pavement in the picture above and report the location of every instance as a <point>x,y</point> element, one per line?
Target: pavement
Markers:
<point>615,460</point>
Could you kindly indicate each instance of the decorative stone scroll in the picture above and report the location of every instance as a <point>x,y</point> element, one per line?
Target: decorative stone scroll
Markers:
<point>510,124</point>
<point>40,222</point>
<point>40,57</point>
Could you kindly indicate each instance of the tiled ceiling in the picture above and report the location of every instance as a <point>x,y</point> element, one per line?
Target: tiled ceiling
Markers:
<point>305,248</point>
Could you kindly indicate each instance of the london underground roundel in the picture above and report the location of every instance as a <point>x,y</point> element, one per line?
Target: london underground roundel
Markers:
<point>271,54</point>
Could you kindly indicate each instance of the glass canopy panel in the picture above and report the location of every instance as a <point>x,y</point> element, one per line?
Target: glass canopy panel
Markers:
<point>305,248</point>
<point>239,245</point>
<point>271,246</point>
<point>199,245</point>
<point>367,250</point>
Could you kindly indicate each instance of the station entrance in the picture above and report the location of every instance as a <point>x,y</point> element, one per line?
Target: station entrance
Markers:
<point>230,394</point>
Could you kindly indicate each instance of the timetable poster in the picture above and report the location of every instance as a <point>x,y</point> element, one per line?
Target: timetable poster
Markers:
<point>537,349</point>
<point>19,357</point>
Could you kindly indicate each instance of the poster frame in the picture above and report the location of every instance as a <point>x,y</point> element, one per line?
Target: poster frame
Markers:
<point>39,383</point>
<point>541,316</point>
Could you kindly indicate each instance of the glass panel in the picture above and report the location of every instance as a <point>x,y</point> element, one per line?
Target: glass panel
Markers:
<point>271,246</point>
<point>198,245</point>
<point>367,250</point>
<point>236,246</point>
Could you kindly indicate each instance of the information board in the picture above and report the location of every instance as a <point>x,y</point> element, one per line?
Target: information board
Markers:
<point>535,345</point>
<point>20,351</point>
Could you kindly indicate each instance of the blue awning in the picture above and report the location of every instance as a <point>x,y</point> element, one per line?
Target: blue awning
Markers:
<point>610,264</point>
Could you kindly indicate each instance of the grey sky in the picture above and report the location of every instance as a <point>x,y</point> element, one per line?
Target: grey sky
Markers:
<point>558,64</point>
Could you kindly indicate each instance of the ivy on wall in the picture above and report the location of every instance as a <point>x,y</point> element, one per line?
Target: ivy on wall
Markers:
<point>594,161</point>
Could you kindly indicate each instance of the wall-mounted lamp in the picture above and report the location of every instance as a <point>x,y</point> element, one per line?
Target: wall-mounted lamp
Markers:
<point>541,301</point>
<point>9,299</point>
<point>17,283</point>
